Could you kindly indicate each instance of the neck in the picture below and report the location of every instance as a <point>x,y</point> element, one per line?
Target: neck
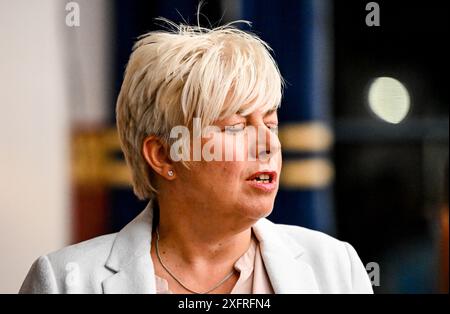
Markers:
<point>200,236</point>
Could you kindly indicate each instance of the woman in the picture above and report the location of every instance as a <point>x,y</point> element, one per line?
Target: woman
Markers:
<point>203,230</point>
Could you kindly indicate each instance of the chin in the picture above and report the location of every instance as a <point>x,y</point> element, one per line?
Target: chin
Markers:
<point>259,211</point>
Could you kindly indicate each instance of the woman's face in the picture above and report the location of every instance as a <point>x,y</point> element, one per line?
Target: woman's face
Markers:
<point>242,180</point>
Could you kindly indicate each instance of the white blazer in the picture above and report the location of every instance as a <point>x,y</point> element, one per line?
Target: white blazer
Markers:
<point>297,260</point>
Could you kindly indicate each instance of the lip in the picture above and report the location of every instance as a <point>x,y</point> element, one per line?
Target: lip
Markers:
<point>265,187</point>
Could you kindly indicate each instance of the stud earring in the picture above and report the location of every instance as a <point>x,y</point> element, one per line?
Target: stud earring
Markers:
<point>170,173</point>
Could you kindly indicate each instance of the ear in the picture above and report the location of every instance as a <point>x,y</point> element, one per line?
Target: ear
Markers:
<point>156,154</point>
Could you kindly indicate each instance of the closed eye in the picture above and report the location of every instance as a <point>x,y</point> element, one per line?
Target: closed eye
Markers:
<point>235,128</point>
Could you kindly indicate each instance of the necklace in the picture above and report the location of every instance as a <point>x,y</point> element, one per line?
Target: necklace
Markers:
<point>179,281</point>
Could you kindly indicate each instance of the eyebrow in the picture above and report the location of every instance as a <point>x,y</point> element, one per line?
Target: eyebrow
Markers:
<point>269,112</point>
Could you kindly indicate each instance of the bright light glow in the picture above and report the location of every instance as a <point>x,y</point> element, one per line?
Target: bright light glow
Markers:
<point>389,99</point>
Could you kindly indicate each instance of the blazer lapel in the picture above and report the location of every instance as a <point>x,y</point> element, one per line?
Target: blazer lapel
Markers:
<point>282,257</point>
<point>130,258</point>
<point>136,277</point>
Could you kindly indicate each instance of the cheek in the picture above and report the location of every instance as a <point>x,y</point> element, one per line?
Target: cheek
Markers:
<point>279,160</point>
<point>223,147</point>
<point>226,171</point>
<point>234,147</point>
<point>224,178</point>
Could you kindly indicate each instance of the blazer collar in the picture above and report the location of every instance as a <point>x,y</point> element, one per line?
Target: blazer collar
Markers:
<point>132,265</point>
<point>284,260</point>
<point>130,259</point>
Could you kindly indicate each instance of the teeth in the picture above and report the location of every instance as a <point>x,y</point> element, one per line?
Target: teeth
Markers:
<point>264,178</point>
<point>259,180</point>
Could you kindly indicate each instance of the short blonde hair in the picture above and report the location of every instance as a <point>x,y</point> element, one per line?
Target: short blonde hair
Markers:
<point>189,72</point>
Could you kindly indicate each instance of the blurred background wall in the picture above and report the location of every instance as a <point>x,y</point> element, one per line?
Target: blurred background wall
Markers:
<point>34,137</point>
<point>363,123</point>
<point>54,81</point>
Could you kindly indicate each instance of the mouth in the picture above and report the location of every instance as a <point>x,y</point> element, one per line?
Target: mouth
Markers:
<point>263,180</point>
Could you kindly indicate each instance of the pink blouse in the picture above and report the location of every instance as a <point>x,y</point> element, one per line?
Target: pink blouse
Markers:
<point>253,278</point>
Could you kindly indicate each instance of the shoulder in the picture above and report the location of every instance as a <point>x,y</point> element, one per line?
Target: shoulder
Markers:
<point>83,267</point>
<point>91,252</point>
<point>328,257</point>
<point>70,266</point>
<point>319,248</point>
<point>312,241</point>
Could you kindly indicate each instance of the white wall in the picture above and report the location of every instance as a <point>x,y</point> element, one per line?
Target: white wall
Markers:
<point>34,199</point>
<point>52,77</point>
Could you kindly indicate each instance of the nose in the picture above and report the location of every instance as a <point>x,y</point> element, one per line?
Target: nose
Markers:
<point>268,144</point>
